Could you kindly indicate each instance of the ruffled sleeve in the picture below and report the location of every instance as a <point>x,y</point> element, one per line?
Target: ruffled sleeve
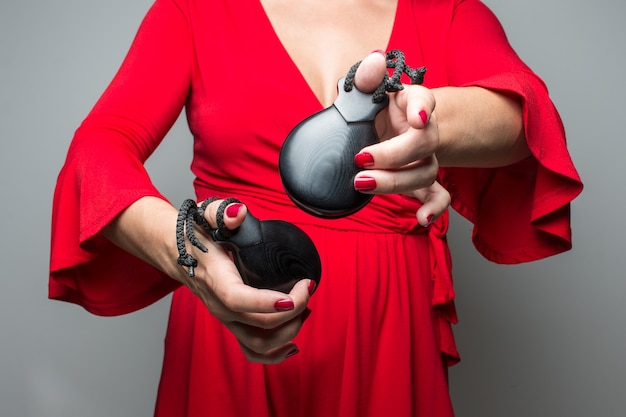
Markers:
<point>520,212</point>
<point>104,172</point>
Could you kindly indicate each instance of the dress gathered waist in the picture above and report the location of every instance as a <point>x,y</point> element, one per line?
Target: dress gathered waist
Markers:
<point>384,214</point>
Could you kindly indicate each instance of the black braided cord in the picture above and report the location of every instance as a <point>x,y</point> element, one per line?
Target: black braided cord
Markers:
<point>188,214</point>
<point>219,218</point>
<point>394,59</point>
<point>184,215</point>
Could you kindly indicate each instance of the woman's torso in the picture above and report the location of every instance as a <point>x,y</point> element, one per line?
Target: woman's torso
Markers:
<point>248,93</point>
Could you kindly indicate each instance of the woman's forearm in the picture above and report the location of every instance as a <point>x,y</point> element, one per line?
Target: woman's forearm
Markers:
<point>147,229</point>
<point>478,127</point>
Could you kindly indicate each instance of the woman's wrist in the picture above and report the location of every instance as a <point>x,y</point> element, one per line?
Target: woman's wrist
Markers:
<point>478,127</point>
<point>147,229</point>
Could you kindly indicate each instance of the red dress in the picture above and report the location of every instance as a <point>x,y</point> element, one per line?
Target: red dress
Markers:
<point>379,339</point>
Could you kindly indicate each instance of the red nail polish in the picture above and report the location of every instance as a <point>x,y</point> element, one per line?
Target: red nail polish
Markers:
<point>429,220</point>
<point>284,305</point>
<point>424,117</point>
<point>312,285</point>
<point>364,159</point>
<point>233,210</point>
<point>379,51</point>
<point>364,184</point>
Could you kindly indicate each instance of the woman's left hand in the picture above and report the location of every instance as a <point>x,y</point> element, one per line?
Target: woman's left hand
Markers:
<point>404,161</point>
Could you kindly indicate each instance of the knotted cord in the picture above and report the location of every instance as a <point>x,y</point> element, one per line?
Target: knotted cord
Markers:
<point>394,59</point>
<point>189,213</point>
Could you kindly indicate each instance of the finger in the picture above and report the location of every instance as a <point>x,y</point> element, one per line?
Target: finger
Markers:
<point>415,104</point>
<point>401,150</point>
<point>239,301</point>
<point>371,72</point>
<point>265,340</point>
<point>260,308</point>
<point>285,308</point>
<point>234,214</point>
<point>436,199</point>
<point>273,357</point>
<point>416,175</point>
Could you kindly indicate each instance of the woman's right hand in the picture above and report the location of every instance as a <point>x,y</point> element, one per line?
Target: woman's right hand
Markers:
<point>263,321</point>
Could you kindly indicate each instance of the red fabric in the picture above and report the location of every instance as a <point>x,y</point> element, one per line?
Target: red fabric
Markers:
<point>520,212</point>
<point>382,316</point>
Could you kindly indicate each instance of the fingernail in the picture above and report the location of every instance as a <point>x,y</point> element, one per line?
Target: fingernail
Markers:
<point>292,352</point>
<point>379,51</point>
<point>364,159</point>
<point>284,305</point>
<point>424,117</point>
<point>312,285</point>
<point>429,220</point>
<point>233,210</point>
<point>364,184</point>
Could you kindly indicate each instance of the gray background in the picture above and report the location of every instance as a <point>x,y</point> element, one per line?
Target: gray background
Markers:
<point>542,339</point>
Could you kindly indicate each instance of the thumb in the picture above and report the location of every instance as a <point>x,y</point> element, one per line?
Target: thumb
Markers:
<point>371,72</point>
<point>232,214</point>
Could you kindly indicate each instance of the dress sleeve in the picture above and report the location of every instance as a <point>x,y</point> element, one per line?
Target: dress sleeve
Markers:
<point>520,212</point>
<point>104,172</point>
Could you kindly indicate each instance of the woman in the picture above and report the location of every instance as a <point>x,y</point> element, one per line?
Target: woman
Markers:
<point>377,339</point>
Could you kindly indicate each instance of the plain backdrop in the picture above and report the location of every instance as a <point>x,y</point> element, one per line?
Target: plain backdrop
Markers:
<point>541,339</point>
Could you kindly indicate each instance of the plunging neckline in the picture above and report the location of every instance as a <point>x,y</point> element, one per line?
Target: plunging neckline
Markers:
<point>293,66</point>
